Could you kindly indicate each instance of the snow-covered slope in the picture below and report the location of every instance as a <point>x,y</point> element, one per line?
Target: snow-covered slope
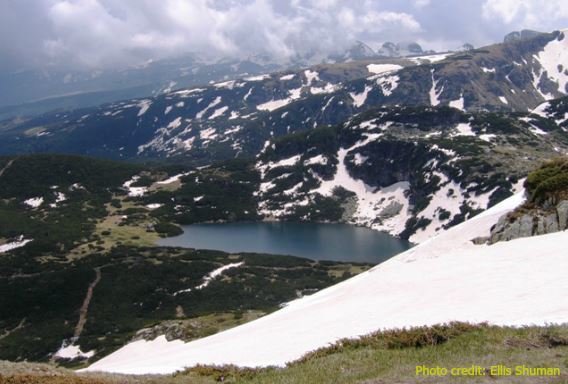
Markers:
<point>446,278</point>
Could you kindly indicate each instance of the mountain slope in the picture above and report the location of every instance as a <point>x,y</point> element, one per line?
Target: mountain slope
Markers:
<point>28,92</point>
<point>448,278</point>
<point>410,171</point>
<point>235,118</point>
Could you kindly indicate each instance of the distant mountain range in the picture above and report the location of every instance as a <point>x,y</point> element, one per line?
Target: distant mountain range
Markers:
<point>29,92</point>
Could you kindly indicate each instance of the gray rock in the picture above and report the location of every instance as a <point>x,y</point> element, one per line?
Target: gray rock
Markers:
<point>511,231</point>
<point>535,222</point>
<point>480,240</point>
<point>526,225</point>
<point>540,228</point>
<point>391,210</point>
<point>349,208</point>
<point>551,223</point>
<point>562,212</point>
<point>525,34</point>
<point>498,229</point>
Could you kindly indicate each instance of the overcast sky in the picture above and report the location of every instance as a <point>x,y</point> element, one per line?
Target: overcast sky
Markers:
<point>115,33</point>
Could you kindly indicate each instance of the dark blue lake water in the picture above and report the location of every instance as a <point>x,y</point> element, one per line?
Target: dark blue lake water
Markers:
<point>338,242</point>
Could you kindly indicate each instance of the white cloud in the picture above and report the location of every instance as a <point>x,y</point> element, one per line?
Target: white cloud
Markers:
<point>379,21</point>
<point>98,33</point>
<point>421,3</point>
<point>103,33</point>
<point>526,13</point>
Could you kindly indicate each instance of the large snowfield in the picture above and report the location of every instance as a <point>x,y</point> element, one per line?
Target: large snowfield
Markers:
<point>520,282</point>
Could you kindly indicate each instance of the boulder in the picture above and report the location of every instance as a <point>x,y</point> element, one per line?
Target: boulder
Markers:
<point>391,210</point>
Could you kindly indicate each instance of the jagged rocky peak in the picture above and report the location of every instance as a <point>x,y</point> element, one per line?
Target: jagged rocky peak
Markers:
<point>361,50</point>
<point>411,48</point>
<point>546,208</point>
<point>390,49</point>
<point>358,51</point>
<point>524,34</point>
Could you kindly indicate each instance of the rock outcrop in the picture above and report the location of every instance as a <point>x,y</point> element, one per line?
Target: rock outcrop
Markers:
<point>531,222</point>
<point>525,34</point>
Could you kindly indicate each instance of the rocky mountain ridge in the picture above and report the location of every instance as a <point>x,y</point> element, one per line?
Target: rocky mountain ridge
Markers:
<point>235,118</point>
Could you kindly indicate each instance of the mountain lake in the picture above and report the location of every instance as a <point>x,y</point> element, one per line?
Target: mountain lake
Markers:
<point>317,241</point>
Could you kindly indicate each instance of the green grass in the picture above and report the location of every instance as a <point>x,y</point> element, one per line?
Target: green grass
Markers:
<point>392,357</point>
<point>382,357</point>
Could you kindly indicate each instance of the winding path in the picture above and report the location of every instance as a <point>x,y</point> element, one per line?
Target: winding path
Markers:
<point>6,167</point>
<point>85,307</point>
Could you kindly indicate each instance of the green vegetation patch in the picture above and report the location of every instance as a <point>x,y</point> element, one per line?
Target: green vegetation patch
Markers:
<point>550,181</point>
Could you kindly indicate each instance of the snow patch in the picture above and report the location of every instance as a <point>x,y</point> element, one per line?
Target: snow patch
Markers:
<point>174,123</point>
<point>487,137</point>
<point>554,59</point>
<point>20,242</point>
<point>275,104</point>
<point>311,76</point>
<point>187,92</point>
<point>211,276</point>
<point>213,104</point>
<point>34,202</point>
<point>208,134</point>
<point>144,105</point>
<point>319,159</point>
<point>287,77</point>
<point>72,352</point>
<point>257,78</point>
<point>59,198</point>
<point>388,84</point>
<point>172,179</point>
<point>359,98</point>
<point>429,58</point>
<point>464,129</point>
<point>328,88</point>
<point>434,93</point>
<point>226,84</point>
<point>458,104</point>
<point>382,68</point>
<point>218,112</point>
<point>134,191</point>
